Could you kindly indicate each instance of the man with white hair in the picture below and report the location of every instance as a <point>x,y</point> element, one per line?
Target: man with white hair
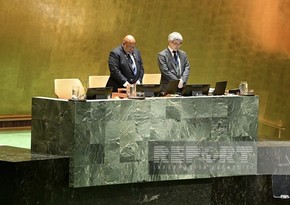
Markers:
<point>173,63</point>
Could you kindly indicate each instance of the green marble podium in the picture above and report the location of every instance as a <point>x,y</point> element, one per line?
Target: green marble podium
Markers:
<point>119,141</point>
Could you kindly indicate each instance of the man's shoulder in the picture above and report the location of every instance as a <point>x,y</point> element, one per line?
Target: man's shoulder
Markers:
<point>118,49</point>
<point>163,52</point>
<point>137,51</point>
<point>116,52</point>
<point>182,52</point>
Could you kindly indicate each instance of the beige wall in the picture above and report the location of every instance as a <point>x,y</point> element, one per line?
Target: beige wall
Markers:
<point>225,40</point>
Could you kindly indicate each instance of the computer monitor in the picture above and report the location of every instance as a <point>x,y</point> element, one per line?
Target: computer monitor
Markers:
<point>150,90</point>
<point>99,93</point>
<point>195,90</point>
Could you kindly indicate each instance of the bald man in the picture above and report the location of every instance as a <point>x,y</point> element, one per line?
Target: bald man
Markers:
<point>125,64</point>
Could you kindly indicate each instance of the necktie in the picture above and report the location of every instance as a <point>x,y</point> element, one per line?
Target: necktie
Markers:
<point>176,62</point>
<point>175,58</point>
<point>132,64</point>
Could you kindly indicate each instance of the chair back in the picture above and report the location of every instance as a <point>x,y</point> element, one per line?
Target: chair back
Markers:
<point>151,78</point>
<point>63,87</point>
<point>97,81</point>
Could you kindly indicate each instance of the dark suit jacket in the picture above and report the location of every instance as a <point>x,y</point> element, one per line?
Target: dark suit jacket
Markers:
<point>167,66</point>
<point>121,69</point>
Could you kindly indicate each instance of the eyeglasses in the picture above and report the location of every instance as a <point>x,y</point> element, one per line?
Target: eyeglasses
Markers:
<point>176,43</point>
<point>130,47</point>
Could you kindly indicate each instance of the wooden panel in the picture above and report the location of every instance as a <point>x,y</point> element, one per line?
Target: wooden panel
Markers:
<point>15,122</point>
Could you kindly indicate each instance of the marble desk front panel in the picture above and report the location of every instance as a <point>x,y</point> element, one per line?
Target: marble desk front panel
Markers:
<point>129,141</point>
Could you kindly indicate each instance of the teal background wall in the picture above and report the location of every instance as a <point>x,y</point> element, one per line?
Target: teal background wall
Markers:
<point>41,40</point>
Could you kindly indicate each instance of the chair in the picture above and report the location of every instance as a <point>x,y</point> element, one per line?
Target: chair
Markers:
<point>151,78</point>
<point>63,87</point>
<point>98,81</point>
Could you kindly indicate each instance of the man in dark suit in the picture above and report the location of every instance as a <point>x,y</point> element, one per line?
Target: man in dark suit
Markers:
<point>125,64</point>
<point>173,63</point>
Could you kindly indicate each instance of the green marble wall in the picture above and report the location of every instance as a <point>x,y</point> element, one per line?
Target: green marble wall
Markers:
<point>232,40</point>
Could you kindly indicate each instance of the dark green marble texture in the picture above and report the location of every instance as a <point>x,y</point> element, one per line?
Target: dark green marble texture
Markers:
<point>108,140</point>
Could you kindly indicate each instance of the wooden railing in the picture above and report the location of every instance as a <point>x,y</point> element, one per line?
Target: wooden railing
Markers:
<point>276,126</point>
<point>15,122</point>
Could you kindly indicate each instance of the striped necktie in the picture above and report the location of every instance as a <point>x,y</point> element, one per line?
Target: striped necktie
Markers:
<point>132,64</point>
<point>175,58</point>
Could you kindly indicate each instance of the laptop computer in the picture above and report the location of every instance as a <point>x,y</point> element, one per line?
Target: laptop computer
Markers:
<point>195,90</point>
<point>150,90</point>
<point>171,87</point>
<point>99,93</point>
<point>220,88</point>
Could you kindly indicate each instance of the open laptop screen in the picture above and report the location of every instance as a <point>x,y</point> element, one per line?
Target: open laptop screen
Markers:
<point>171,87</point>
<point>220,88</point>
